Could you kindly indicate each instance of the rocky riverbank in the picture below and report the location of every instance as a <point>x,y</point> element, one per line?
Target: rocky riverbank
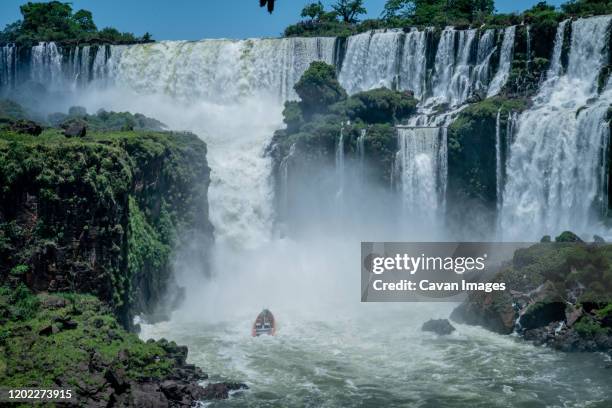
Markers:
<point>93,355</point>
<point>559,295</point>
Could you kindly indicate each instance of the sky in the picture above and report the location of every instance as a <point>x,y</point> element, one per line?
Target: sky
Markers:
<point>197,19</point>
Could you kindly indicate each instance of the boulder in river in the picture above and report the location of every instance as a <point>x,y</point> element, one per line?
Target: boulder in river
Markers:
<point>438,326</point>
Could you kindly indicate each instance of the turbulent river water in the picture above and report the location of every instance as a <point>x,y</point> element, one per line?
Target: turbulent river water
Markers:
<point>377,357</point>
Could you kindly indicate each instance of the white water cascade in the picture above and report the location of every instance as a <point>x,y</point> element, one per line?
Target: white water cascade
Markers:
<point>340,167</point>
<point>505,61</point>
<point>486,49</point>
<point>452,69</point>
<point>47,64</point>
<point>361,148</point>
<point>555,65</point>
<point>556,169</point>
<point>371,61</point>
<point>7,65</point>
<point>227,79</point>
<point>413,64</point>
<point>498,160</point>
<point>398,60</point>
<point>421,164</point>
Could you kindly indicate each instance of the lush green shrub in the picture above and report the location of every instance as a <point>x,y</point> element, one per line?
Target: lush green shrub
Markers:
<point>588,327</point>
<point>104,121</point>
<point>319,88</point>
<point>381,105</point>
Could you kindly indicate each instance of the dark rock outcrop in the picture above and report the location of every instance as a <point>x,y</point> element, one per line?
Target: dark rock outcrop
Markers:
<point>26,127</point>
<point>558,296</point>
<point>75,129</point>
<point>438,326</point>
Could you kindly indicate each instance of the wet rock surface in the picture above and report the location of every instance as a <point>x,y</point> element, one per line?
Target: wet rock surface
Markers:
<point>438,326</point>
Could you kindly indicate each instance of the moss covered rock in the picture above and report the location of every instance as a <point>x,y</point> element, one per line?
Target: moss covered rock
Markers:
<point>559,294</point>
<point>92,354</point>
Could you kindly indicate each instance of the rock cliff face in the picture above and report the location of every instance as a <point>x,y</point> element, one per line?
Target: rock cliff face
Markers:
<point>101,214</point>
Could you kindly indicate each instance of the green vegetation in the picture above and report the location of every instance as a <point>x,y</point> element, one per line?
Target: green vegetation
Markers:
<point>56,21</point>
<point>380,105</point>
<point>314,124</point>
<point>105,121</point>
<point>82,332</point>
<point>588,327</point>
<point>348,10</point>
<point>101,212</point>
<point>439,13</point>
<point>318,88</point>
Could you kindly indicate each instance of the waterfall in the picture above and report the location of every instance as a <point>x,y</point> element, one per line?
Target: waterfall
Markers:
<point>284,181</point>
<point>528,46</point>
<point>371,61</point>
<point>201,84</point>
<point>457,91</point>
<point>555,62</point>
<point>555,170</point>
<point>46,65</point>
<point>510,128</point>
<point>413,65</point>
<point>340,164</point>
<point>498,160</point>
<point>220,70</point>
<point>421,169</point>
<point>505,62</point>
<point>394,59</point>
<point>486,49</point>
<point>7,65</point>
<point>361,147</point>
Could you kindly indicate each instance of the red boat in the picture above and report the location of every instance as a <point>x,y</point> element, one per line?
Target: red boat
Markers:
<point>264,324</point>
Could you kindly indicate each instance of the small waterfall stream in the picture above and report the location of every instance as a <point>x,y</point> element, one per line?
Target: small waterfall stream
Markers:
<point>505,62</point>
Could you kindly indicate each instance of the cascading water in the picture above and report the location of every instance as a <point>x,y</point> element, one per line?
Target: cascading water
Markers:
<point>486,49</point>
<point>46,65</point>
<point>284,185</point>
<point>555,63</point>
<point>452,68</point>
<point>555,169</point>
<point>498,160</point>
<point>371,61</point>
<point>361,148</point>
<point>340,166</point>
<point>394,59</point>
<point>413,65</point>
<point>505,61</point>
<point>510,130</point>
<point>7,65</point>
<point>421,163</point>
<point>225,78</point>
<point>528,46</point>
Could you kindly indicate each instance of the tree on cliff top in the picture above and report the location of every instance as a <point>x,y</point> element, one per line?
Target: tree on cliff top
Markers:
<point>313,10</point>
<point>55,21</point>
<point>349,9</point>
<point>319,88</point>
